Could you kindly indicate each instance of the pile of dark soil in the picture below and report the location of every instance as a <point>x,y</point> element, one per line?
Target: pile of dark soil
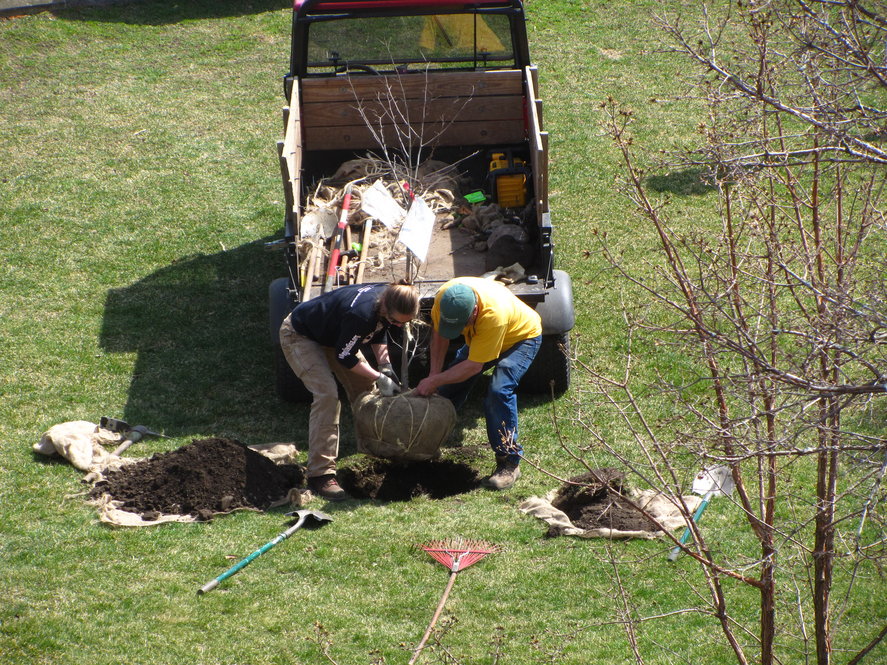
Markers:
<point>212,476</point>
<point>203,478</point>
<point>592,501</point>
<point>386,480</point>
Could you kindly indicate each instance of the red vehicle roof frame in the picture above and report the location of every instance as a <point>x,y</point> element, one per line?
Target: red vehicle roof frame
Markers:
<point>343,5</point>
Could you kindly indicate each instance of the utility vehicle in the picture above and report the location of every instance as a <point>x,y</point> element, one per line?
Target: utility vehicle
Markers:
<point>408,81</point>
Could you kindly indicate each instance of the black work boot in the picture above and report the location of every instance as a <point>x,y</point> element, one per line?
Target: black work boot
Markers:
<point>506,473</point>
<point>327,487</point>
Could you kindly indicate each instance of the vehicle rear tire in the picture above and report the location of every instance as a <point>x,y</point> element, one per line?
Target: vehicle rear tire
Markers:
<point>288,386</point>
<point>550,372</point>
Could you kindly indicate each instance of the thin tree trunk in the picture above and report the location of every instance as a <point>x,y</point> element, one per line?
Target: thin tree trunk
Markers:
<point>823,554</point>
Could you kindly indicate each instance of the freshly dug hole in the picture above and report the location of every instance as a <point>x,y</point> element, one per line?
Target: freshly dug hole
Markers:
<point>387,480</point>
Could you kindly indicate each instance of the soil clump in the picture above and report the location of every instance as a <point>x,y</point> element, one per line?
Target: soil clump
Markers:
<point>592,501</point>
<point>204,478</point>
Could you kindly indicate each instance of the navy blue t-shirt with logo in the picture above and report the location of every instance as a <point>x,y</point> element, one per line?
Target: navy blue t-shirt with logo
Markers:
<point>345,319</point>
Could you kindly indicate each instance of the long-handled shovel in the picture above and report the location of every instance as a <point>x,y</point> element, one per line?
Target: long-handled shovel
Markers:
<point>709,483</point>
<point>364,249</point>
<point>456,555</point>
<point>313,515</point>
<point>336,245</point>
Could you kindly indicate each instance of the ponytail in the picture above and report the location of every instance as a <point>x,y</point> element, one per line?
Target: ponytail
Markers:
<point>401,298</point>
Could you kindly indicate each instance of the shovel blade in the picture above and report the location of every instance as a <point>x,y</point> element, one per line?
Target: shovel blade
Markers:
<point>716,480</point>
<point>321,221</point>
<point>310,516</point>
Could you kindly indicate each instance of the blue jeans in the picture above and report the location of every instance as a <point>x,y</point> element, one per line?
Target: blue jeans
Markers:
<point>500,402</point>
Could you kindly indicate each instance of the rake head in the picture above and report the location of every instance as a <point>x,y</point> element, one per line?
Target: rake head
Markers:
<point>458,554</point>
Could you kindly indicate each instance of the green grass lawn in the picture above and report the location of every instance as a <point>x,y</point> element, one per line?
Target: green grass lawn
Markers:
<point>138,183</point>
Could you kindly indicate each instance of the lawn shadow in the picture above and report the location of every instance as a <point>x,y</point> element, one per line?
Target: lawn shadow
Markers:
<point>204,363</point>
<point>155,12</point>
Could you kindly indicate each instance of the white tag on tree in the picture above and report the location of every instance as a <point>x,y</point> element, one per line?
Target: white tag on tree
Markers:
<point>378,203</point>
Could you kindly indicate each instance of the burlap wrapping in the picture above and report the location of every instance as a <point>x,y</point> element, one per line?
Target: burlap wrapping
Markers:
<point>405,427</point>
<point>80,442</point>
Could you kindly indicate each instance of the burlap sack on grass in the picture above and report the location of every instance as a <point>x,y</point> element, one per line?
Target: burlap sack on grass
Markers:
<point>81,443</point>
<point>405,427</point>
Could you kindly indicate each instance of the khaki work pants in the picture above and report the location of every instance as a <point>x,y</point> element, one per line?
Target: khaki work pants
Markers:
<point>318,369</point>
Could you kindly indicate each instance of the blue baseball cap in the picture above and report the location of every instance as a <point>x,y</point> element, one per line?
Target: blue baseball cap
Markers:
<point>456,305</point>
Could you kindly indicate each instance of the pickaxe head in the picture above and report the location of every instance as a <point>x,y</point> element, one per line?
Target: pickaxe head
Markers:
<point>143,431</point>
<point>123,427</point>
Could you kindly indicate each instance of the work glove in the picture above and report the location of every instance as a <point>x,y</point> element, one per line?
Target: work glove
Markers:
<point>387,386</point>
<point>388,370</point>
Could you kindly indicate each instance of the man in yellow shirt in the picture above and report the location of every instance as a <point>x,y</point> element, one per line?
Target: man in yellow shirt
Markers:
<point>500,331</point>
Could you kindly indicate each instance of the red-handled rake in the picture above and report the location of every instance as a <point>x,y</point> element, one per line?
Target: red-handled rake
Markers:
<point>456,555</point>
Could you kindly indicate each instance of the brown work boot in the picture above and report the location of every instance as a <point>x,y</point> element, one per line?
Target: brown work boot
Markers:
<point>506,473</point>
<point>327,487</point>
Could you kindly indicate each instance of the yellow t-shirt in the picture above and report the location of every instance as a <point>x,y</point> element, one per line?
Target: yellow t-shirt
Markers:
<point>502,321</point>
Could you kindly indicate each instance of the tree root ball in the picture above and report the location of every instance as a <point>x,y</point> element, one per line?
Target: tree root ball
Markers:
<point>405,428</point>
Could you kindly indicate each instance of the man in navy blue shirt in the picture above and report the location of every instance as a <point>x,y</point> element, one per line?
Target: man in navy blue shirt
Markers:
<point>322,340</point>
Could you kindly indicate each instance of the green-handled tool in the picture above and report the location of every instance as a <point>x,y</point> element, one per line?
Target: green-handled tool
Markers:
<point>709,483</point>
<point>314,516</point>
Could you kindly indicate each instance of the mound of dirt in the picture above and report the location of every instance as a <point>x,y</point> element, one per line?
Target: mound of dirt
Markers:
<point>386,480</point>
<point>203,478</point>
<point>212,476</point>
<point>592,501</point>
